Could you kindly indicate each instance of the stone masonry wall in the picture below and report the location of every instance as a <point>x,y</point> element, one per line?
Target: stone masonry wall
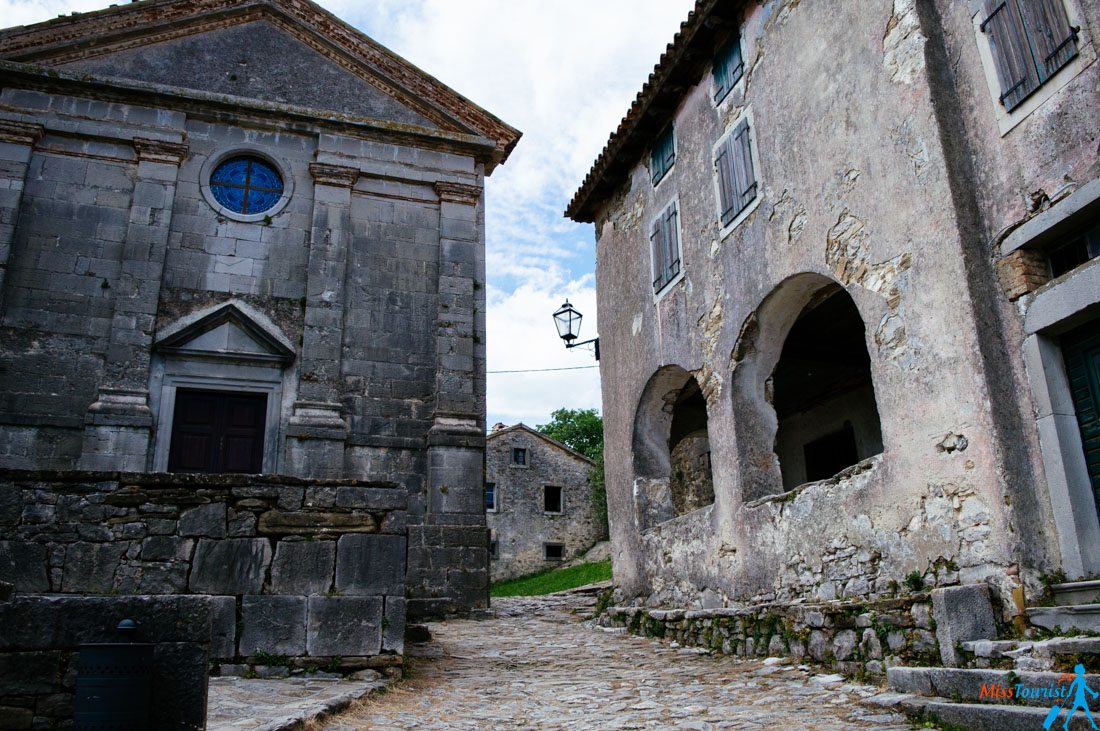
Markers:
<point>296,567</point>
<point>854,638</point>
<point>520,525</point>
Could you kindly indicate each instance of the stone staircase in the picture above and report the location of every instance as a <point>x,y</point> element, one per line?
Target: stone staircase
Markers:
<point>1033,670</point>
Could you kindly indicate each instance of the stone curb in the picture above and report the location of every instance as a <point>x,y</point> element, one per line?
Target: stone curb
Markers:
<point>316,710</point>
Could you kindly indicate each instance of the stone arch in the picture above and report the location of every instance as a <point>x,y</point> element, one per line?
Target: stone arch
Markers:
<point>803,395</point>
<point>671,448</point>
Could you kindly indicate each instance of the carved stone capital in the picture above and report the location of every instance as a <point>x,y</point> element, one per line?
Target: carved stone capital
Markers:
<point>458,193</point>
<point>172,153</point>
<point>20,133</point>
<point>335,175</point>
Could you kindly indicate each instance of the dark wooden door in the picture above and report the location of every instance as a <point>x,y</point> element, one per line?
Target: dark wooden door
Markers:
<point>1081,351</point>
<point>217,431</point>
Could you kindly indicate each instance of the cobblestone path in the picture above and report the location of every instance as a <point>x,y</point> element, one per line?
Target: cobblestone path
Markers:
<point>539,666</point>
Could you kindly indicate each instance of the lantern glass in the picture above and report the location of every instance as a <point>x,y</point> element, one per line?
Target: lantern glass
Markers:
<point>568,322</point>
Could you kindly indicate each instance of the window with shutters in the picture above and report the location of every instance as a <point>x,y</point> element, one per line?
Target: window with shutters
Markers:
<point>1029,40</point>
<point>663,155</point>
<point>735,174</point>
<point>729,67</point>
<point>664,247</point>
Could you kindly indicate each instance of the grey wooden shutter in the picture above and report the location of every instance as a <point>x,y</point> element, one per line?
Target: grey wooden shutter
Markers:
<point>672,241</point>
<point>1053,39</point>
<point>1011,51</point>
<point>657,248</point>
<point>746,176</point>
<point>723,168</point>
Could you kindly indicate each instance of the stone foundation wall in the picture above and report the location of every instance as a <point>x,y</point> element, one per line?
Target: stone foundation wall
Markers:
<point>39,655</point>
<point>855,638</point>
<point>296,567</point>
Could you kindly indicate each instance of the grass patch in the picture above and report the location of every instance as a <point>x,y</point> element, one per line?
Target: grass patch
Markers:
<point>547,582</point>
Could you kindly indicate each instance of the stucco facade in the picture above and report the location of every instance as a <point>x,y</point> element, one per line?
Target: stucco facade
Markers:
<point>866,387</point>
<point>345,321</point>
<point>538,503</point>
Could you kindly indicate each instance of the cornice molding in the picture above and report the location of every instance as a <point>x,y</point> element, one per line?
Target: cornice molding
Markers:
<point>458,193</point>
<point>338,176</point>
<point>172,153</point>
<point>20,133</point>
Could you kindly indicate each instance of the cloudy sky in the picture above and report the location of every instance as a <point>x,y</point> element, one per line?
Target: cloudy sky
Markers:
<point>564,73</point>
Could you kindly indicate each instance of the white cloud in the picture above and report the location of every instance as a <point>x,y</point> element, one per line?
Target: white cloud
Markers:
<point>564,73</point>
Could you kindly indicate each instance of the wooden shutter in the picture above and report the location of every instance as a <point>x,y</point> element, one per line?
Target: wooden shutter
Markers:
<point>736,177</point>
<point>1011,53</point>
<point>728,67</point>
<point>672,241</point>
<point>723,168</point>
<point>657,248</point>
<point>1053,39</point>
<point>663,155</point>
<point>745,175</point>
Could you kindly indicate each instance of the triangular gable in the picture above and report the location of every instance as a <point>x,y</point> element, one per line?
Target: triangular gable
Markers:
<point>535,433</point>
<point>226,332</point>
<point>77,39</point>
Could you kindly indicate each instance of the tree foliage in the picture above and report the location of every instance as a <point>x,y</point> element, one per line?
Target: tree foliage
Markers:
<point>582,430</point>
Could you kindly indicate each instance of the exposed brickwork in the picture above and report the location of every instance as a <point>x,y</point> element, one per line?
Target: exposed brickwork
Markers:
<point>1023,271</point>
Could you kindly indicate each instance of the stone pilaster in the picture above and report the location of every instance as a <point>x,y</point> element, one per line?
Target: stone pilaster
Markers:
<point>318,428</point>
<point>118,425</point>
<point>17,140</point>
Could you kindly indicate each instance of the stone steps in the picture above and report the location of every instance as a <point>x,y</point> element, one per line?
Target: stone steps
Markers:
<point>966,685</point>
<point>1034,655</point>
<point>1081,617</point>
<point>982,717</point>
<point>1077,592</point>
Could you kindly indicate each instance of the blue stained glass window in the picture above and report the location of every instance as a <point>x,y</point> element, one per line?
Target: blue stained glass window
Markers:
<point>246,185</point>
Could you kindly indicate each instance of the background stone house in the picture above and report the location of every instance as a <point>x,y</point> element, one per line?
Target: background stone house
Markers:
<point>241,237</point>
<point>849,255</point>
<point>538,504</point>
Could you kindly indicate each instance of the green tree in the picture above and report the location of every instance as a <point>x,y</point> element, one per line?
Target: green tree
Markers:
<point>582,430</point>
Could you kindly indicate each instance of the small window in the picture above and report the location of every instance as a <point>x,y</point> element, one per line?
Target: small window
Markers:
<point>246,185</point>
<point>551,499</point>
<point>664,245</point>
<point>1030,40</point>
<point>728,68</point>
<point>491,497</point>
<point>734,170</point>
<point>663,155</point>
<point>1075,253</point>
<point>493,550</point>
<point>553,551</point>
<point>519,456</point>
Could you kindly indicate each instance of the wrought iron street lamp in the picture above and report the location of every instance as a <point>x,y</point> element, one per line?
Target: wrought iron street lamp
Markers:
<point>568,322</point>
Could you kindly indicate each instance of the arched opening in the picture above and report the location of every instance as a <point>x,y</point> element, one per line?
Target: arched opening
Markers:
<point>672,474</point>
<point>824,400</point>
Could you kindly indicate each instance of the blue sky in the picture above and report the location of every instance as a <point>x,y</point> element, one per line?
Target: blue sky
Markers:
<point>562,72</point>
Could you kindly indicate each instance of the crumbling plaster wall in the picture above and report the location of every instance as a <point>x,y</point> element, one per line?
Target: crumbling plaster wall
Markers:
<point>853,189</point>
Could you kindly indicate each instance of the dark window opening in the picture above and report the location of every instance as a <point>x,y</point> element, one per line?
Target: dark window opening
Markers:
<point>1074,253</point>
<point>217,431</point>
<point>663,155</point>
<point>822,393</point>
<point>551,498</point>
<point>1030,40</point>
<point>490,496</point>
<point>519,456</point>
<point>691,484</point>
<point>493,550</point>
<point>553,551</point>
<point>728,67</point>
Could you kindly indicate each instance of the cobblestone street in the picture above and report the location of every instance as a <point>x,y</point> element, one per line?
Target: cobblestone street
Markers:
<point>538,665</point>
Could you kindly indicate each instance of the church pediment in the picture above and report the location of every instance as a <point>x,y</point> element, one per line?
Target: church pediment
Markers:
<point>226,332</point>
<point>278,51</point>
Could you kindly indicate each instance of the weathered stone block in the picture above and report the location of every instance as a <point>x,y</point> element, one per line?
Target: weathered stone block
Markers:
<point>371,565</point>
<point>393,625</point>
<point>91,567</point>
<point>10,504</point>
<point>223,626</point>
<point>24,564</point>
<point>30,673</point>
<point>303,567</point>
<point>205,520</point>
<point>230,566</point>
<point>344,626</point>
<point>166,548</point>
<point>277,523</point>
<point>962,614</point>
<point>273,624</point>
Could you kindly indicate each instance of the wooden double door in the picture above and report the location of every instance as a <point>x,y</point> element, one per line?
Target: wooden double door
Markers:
<point>218,431</point>
<point>1081,352</point>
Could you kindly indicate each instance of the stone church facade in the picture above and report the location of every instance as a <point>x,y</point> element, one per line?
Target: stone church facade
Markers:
<point>849,303</point>
<point>246,238</point>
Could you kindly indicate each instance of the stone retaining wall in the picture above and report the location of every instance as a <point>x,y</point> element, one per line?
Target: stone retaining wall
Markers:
<point>855,638</point>
<point>39,654</point>
<point>296,567</point>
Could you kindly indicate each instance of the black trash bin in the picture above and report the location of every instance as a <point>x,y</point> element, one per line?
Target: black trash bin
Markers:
<point>113,681</point>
